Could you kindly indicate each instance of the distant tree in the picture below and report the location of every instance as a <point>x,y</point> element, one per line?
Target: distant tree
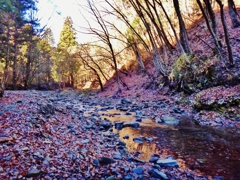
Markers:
<point>233,14</point>
<point>31,54</point>
<point>14,14</point>
<point>67,64</point>
<point>45,46</point>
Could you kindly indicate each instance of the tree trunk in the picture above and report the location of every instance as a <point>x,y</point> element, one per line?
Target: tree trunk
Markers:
<point>159,28</point>
<point>171,25</point>
<point>230,55</point>
<point>156,57</point>
<point>27,72</point>
<point>211,30</point>
<point>71,80</point>
<point>14,77</point>
<point>183,33</point>
<point>212,17</point>
<point>138,55</point>
<point>233,14</point>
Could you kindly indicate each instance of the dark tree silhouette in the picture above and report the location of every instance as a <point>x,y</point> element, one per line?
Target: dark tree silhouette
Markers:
<point>183,33</point>
<point>233,14</point>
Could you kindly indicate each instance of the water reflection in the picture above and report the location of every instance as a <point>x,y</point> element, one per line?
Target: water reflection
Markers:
<point>211,152</point>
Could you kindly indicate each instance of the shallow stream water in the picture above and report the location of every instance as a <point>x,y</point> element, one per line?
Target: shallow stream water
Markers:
<point>213,152</point>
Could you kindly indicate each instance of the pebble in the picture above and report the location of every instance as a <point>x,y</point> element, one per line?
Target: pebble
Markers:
<point>33,173</point>
<point>85,141</point>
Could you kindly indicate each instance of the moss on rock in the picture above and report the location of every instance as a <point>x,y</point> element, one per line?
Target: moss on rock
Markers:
<point>223,100</point>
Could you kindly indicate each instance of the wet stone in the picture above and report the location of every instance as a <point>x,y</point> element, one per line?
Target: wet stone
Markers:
<point>138,170</point>
<point>128,177</point>
<point>106,124</point>
<point>157,174</point>
<point>118,125</point>
<point>110,178</point>
<point>138,140</point>
<point>95,161</point>
<point>126,136</point>
<point>106,161</point>
<point>126,169</point>
<point>121,143</point>
<point>69,106</point>
<point>139,120</point>
<point>153,159</point>
<point>126,101</point>
<point>133,125</point>
<point>149,139</point>
<point>139,113</point>
<point>169,120</point>
<point>167,163</point>
<point>128,113</point>
<point>117,155</point>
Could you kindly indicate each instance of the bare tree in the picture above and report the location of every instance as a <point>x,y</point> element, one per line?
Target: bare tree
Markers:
<point>233,14</point>
<point>156,57</point>
<point>226,34</point>
<point>171,25</point>
<point>183,33</point>
<point>85,59</point>
<point>212,16</point>
<point>213,29</point>
<point>105,36</point>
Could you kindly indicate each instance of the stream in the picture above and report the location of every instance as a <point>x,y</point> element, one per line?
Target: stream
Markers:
<point>208,151</point>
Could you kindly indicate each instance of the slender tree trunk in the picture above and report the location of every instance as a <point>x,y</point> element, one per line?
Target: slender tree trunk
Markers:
<point>115,66</point>
<point>28,69</point>
<point>71,79</point>
<point>156,57</point>
<point>171,25</point>
<point>209,27</point>
<point>212,17</point>
<point>159,28</point>
<point>183,33</point>
<point>105,37</point>
<point>98,77</point>
<point>233,14</point>
<point>138,56</point>
<point>230,55</point>
<point>14,77</point>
